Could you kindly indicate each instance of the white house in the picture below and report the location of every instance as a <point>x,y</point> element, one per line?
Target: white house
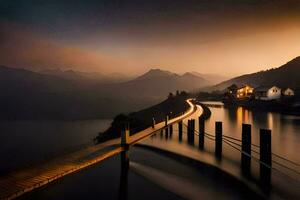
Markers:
<point>288,92</point>
<point>267,93</point>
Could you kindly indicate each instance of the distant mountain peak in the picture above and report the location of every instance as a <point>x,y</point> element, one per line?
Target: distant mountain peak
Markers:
<point>157,71</point>
<point>210,77</point>
<point>188,74</point>
<point>191,74</point>
<point>154,73</point>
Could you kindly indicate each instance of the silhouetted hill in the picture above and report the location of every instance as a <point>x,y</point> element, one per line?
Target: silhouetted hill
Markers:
<point>172,106</point>
<point>156,83</point>
<point>87,76</point>
<point>211,78</point>
<point>288,75</point>
<point>156,73</point>
<point>30,95</point>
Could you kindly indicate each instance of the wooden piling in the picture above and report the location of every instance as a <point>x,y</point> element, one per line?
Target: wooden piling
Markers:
<point>166,132</point>
<point>125,136</point>
<point>166,120</point>
<point>170,130</point>
<point>124,160</point>
<point>180,130</point>
<point>265,157</point>
<point>218,142</point>
<point>123,188</point>
<point>201,132</point>
<point>246,148</point>
<point>153,122</point>
<point>189,131</point>
<point>192,131</point>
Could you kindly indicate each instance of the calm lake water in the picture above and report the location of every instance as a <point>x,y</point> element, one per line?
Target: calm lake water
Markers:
<point>150,176</point>
<point>153,175</point>
<point>285,128</point>
<point>26,142</point>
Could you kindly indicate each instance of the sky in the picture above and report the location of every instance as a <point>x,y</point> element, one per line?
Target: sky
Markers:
<point>227,37</point>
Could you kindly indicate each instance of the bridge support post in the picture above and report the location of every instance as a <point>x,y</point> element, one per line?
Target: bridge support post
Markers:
<point>124,175</point>
<point>125,160</point>
<point>218,144</point>
<point>246,148</point>
<point>201,132</point>
<point>153,122</point>
<point>180,131</point>
<point>125,137</point>
<point>167,132</point>
<point>124,163</point>
<point>166,120</point>
<point>188,131</point>
<point>170,130</point>
<point>265,157</point>
<point>191,131</point>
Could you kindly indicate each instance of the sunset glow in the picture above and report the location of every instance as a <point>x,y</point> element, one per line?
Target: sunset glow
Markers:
<point>215,37</point>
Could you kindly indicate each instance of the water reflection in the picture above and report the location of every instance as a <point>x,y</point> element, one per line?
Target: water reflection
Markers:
<point>25,142</point>
<point>239,114</point>
<point>285,128</point>
<point>270,120</point>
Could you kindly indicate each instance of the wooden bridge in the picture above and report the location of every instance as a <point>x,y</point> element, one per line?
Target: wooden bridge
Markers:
<point>22,181</point>
<point>19,182</point>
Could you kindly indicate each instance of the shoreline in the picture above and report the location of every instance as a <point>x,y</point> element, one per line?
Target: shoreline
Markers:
<point>271,106</point>
<point>206,111</point>
<point>262,106</point>
<point>172,107</point>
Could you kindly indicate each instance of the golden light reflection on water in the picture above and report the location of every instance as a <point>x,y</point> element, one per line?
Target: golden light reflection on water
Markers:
<point>285,138</point>
<point>239,115</point>
<point>243,115</point>
<point>270,121</point>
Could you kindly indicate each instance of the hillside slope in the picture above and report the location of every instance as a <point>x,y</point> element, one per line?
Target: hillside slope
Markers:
<point>288,75</point>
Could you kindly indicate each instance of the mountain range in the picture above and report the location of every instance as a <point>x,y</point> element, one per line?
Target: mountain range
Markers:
<point>119,77</point>
<point>30,95</point>
<point>79,95</point>
<point>91,76</point>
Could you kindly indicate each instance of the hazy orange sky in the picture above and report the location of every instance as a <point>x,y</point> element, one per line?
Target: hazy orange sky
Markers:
<point>228,37</point>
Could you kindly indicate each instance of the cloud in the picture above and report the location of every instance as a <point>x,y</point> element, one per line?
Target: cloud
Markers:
<point>20,47</point>
<point>220,36</point>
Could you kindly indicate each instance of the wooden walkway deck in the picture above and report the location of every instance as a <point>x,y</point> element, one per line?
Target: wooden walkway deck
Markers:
<point>19,182</point>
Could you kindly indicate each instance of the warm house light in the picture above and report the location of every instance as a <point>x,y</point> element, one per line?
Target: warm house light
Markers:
<point>240,92</point>
<point>245,91</point>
